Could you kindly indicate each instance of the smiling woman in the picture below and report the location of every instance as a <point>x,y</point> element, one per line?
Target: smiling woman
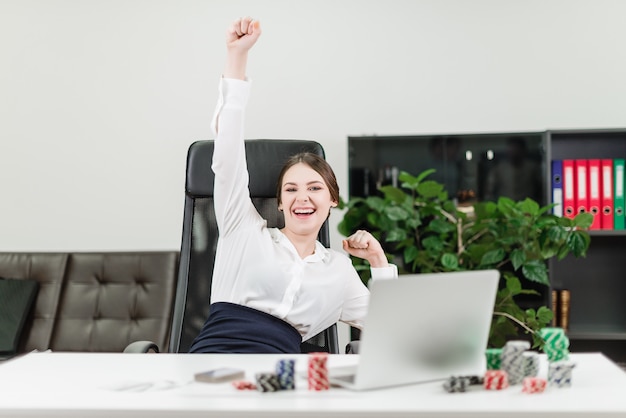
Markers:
<point>273,288</point>
<point>307,190</point>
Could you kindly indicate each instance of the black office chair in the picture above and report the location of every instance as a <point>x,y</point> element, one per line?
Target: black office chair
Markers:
<point>265,160</point>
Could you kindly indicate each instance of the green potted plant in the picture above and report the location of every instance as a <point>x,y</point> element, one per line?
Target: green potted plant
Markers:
<point>423,230</point>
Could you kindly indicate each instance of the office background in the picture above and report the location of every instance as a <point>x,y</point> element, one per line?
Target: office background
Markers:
<point>99,100</point>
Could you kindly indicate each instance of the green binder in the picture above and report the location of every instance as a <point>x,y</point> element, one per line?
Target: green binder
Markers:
<point>618,195</point>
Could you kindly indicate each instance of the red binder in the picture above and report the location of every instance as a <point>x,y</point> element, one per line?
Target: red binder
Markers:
<point>606,196</point>
<point>569,189</point>
<point>593,192</point>
<point>580,183</point>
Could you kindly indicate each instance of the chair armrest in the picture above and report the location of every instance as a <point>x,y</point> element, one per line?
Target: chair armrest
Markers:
<point>141,347</point>
<point>352,347</point>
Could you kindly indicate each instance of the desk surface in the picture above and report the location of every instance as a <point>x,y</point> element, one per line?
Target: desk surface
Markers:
<point>155,385</point>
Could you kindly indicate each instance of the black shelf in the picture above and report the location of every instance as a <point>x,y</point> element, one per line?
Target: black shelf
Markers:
<point>607,233</point>
<point>597,333</point>
<point>609,336</point>
<point>597,283</point>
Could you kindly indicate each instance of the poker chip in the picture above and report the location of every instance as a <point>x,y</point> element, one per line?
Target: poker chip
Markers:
<point>456,384</point>
<point>244,385</point>
<point>556,343</point>
<point>560,373</point>
<point>318,372</point>
<point>285,371</point>
<point>494,357</point>
<point>267,382</point>
<point>533,385</point>
<point>461,383</point>
<point>513,361</point>
<point>531,363</point>
<point>475,380</point>
<point>496,380</point>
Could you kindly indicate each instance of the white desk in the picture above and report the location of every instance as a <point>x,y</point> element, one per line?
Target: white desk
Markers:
<point>72,385</point>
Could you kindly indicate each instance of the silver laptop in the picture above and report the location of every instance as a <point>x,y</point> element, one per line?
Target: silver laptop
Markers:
<point>423,327</point>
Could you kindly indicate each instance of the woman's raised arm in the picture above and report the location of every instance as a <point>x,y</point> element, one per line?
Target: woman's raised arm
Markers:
<point>241,35</point>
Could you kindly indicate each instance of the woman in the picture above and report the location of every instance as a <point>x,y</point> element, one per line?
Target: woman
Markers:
<point>274,288</point>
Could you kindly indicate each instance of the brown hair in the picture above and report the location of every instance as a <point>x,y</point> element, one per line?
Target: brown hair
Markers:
<point>318,164</point>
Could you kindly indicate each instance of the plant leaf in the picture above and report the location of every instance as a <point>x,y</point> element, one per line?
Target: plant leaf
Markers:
<point>536,271</point>
<point>518,257</point>
<point>429,189</point>
<point>583,220</point>
<point>396,235</point>
<point>410,253</point>
<point>545,314</point>
<point>425,174</point>
<point>440,226</point>
<point>506,205</point>
<point>529,206</point>
<point>578,242</point>
<point>485,210</point>
<point>492,257</point>
<point>414,221</point>
<point>556,233</point>
<point>513,284</point>
<point>376,203</point>
<point>373,218</point>
<point>433,243</point>
<point>407,180</point>
<point>450,261</point>
<point>396,213</point>
<point>393,194</point>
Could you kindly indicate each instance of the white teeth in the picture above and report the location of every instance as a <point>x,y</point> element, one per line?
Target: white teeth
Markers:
<point>303,211</point>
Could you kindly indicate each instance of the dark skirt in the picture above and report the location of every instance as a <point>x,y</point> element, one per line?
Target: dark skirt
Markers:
<point>233,328</point>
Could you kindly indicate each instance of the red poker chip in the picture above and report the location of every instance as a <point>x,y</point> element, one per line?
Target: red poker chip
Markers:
<point>533,385</point>
<point>244,385</point>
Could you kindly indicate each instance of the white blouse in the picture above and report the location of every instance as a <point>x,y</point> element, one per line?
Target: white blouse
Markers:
<point>259,267</point>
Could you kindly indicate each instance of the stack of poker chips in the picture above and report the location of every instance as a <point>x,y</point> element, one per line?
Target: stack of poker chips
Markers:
<point>318,372</point>
<point>531,363</point>
<point>560,373</point>
<point>556,343</point>
<point>533,385</point>
<point>461,383</point>
<point>285,371</point>
<point>494,357</point>
<point>496,380</point>
<point>456,384</point>
<point>513,360</point>
<point>267,382</point>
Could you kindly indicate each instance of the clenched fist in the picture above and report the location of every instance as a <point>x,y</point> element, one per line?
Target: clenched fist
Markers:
<point>362,244</point>
<point>241,35</point>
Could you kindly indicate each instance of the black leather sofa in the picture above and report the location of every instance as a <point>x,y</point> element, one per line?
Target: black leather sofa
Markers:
<point>96,302</point>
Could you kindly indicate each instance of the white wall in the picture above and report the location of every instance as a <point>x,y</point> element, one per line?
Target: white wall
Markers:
<point>99,100</point>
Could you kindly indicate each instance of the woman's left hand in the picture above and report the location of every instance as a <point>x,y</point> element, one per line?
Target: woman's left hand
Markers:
<point>362,244</point>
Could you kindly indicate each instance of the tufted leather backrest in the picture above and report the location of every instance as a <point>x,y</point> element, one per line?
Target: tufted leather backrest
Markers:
<point>96,301</point>
<point>48,269</point>
<point>265,159</point>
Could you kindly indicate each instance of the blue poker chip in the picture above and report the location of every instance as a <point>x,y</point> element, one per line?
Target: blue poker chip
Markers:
<point>285,372</point>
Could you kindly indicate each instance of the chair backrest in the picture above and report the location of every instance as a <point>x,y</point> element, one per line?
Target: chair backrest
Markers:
<point>265,159</point>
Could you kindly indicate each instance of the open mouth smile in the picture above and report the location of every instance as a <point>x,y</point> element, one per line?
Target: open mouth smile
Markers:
<point>303,213</point>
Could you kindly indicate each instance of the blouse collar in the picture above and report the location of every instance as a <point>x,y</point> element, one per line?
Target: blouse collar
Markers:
<point>320,253</point>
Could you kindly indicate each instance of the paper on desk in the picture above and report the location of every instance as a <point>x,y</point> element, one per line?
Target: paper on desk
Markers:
<point>145,386</point>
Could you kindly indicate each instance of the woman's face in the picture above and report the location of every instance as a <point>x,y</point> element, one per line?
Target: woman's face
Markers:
<point>305,200</point>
